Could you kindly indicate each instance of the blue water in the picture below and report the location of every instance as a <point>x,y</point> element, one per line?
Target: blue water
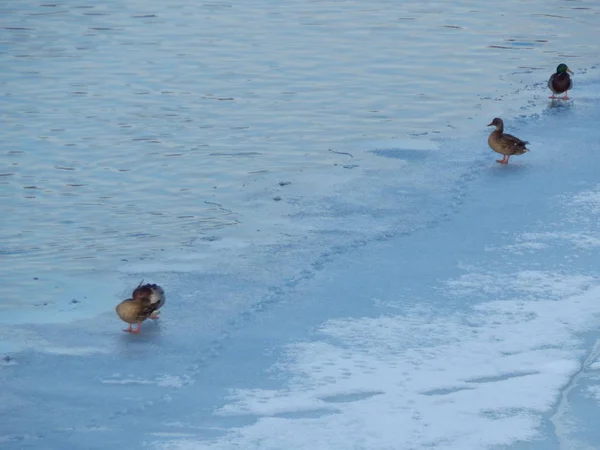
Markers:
<point>311,184</point>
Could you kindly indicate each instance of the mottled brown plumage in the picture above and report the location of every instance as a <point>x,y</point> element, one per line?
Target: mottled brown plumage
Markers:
<point>145,303</point>
<point>505,144</point>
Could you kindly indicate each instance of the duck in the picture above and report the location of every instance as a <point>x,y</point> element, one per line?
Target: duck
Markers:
<point>145,303</point>
<point>505,144</point>
<point>560,82</point>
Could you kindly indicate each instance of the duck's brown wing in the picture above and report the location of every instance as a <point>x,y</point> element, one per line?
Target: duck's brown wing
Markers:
<point>514,141</point>
<point>147,309</point>
<point>143,295</point>
<point>513,145</point>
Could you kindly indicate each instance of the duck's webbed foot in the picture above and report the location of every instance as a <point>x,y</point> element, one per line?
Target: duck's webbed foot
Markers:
<point>134,330</point>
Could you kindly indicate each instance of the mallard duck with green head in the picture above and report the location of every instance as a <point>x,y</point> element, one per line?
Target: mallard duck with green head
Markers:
<point>504,143</point>
<point>145,303</point>
<point>560,82</point>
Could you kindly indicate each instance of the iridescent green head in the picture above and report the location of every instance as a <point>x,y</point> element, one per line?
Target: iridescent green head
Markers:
<point>562,68</point>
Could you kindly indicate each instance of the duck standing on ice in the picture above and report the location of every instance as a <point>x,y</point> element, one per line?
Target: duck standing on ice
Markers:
<point>145,303</point>
<point>505,144</point>
<point>560,82</point>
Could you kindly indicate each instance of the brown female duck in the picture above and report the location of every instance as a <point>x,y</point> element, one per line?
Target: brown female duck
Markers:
<point>505,144</point>
<point>560,82</point>
<point>145,303</point>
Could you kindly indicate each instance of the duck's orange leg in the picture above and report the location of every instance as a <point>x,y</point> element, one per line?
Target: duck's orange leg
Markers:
<point>552,96</point>
<point>504,160</point>
<point>566,97</point>
<point>155,315</point>
<point>136,330</point>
